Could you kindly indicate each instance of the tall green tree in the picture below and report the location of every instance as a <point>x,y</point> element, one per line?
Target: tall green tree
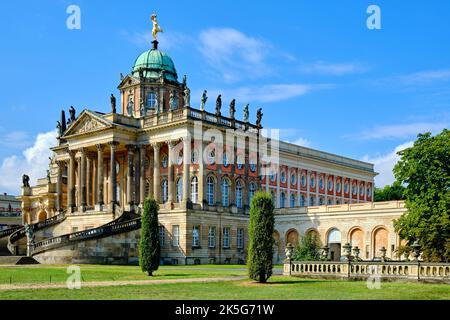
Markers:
<point>260,251</point>
<point>308,249</point>
<point>389,193</point>
<point>425,170</point>
<point>149,246</point>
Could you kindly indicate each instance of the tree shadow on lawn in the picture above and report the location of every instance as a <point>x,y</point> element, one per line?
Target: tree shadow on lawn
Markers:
<point>255,283</point>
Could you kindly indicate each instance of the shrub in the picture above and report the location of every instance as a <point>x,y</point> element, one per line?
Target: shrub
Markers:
<point>149,247</point>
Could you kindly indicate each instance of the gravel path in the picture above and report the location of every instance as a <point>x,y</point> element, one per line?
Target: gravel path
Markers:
<point>92,284</point>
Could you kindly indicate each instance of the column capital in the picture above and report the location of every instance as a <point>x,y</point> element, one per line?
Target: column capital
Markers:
<point>131,148</point>
<point>113,144</point>
<point>83,151</point>
<point>156,145</point>
<point>99,147</point>
<point>71,153</point>
<point>170,143</point>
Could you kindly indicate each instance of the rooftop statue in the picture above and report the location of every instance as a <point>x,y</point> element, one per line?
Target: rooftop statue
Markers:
<point>156,28</point>
<point>232,108</point>
<point>113,103</point>
<point>60,129</point>
<point>204,99</point>
<point>130,107</point>
<point>259,115</point>
<point>26,181</point>
<point>72,114</point>
<point>141,107</point>
<point>187,97</point>
<point>246,113</point>
<point>172,102</point>
<point>184,81</point>
<point>218,105</point>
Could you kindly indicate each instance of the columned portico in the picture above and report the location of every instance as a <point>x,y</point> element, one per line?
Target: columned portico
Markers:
<point>130,175</point>
<point>156,173</point>
<point>113,176</point>
<point>59,190</point>
<point>142,152</point>
<point>171,160</point>
<point>186,173</point>
<point>100,176</point>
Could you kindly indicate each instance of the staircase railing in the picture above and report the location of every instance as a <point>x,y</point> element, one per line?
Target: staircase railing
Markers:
<point>106,230</point>
<point>20,232</point>
<point>8,232</point>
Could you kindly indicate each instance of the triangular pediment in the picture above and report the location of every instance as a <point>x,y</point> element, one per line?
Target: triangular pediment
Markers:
<point>87,122</point>
<point>128,81</point>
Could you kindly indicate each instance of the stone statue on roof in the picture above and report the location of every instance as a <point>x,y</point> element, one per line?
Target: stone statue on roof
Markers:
<point>246,113</point>
<point>259,116</point>
<point>113,103</point>
<point>203,100</point>
<point>187,97</point>
<point>72,113</point>
<point>26,181</point>
<point>232,108</point>
<point>218,105</point>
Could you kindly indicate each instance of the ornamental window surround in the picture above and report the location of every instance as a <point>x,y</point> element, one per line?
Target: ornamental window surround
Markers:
<point>212,237</point>
<point>194,190</point>
<point>210,191</point>
<point>165,190</point>
<point>292,204</point>
<point>239,194</point>
<point>225,192</point>
<point>175,235</point>
<point>196,236</point>
<point>179,185</point>
<point>226,237</point>
<point>240,238</point>
<point>251,192</point>
<point>282,200</point>
<point>283,176</point>
<point>293,178</point>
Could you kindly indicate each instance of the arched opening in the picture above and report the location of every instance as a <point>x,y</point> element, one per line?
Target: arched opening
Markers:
<point>276,247</point>
<point>292,237</point>
<point>356,238</point>
<point>210,191</point>
<point>42,215</point>
<point>380,238</point>
<point>334,243</point>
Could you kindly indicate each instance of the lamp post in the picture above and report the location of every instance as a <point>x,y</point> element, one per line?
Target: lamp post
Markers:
<point>416,254</point>
<point>348,253</point>
<point>356,252</point>
<point>289,251</point>
<point>383,254</point>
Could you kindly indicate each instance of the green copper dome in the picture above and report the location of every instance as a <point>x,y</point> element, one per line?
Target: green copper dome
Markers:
<point>152,62</point>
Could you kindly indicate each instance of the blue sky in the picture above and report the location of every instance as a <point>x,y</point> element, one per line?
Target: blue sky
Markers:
<point>314,67</point>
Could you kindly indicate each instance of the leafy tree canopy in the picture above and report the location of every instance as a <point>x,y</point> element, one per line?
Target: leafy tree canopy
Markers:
<point>425,171</point>
<point>308,249</point>
<point>390,193</point>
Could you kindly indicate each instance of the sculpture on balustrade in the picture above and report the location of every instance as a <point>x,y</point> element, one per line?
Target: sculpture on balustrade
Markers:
<point>161,77</point>
<point>121,76</point>
<point>218,105</point>
<point>130,107</point>
<point>29,233</point>
<point>259,116</point>
<point>203,100</point>
<point>49,179</point>
<point>232,108</point>
<point>141,107</point>
<point>184,81</point>
<point>113,103</point>
<point>72,113</point>
<point>187,97</point>
<point>25,181</point>
<point>172,100</point>
<point>246,113</point>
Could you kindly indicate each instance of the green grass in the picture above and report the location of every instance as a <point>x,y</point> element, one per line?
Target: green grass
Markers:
<point>54,274</point>
<point>283,288</point>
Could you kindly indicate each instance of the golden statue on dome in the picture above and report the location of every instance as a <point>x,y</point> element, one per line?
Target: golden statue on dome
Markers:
<point>156,27</point>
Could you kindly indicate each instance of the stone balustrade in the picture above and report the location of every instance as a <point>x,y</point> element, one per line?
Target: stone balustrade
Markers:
<point>433,272</point>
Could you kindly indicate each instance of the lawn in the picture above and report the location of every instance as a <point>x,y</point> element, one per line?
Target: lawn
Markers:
<point>282,288</point>
<point>58,273</point>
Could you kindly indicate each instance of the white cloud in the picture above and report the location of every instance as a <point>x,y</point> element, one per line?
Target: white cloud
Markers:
<point>302,142</point>
<point>15,140</point>
<point>399,131</point>
<point>233,54</point>
<point>33,162</point>
<point>262,94</point>
<point>424,77</point>
<point>385,163</point>
<point>336,69</point>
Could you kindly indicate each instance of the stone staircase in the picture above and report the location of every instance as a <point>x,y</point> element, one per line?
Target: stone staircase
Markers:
<point>16,260</point>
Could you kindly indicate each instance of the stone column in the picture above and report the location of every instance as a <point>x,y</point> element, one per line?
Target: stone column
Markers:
<point>113,176</point>
<point>142,152</point>
<point>83,179</point>
<point>151,178</point>
<point>100,176</point>
<point>308,185</point>
<point>71,182</point>
<point>201,173</point>
<point>171,160</point>
<point>137,176</point>
<point>130,175</point>
<point>186,167</point>
<point>59,186</point>
<point>156,173</point>
<point>88,180</point>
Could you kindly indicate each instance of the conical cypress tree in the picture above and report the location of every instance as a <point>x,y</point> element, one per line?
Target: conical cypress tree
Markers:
<point>260,252</point>
<point>149,247</point>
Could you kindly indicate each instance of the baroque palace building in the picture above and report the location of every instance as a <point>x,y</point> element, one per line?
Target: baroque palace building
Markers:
<point>203,168</point>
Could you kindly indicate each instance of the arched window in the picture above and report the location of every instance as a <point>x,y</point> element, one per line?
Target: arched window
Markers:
<point>210,191</point>
<point>225,193</point>
<point>165,191</point>
<point>292,205</point>
<point>320,182</point>
<point>282,200</point>
<point>251,192</point>
<point>194,190</point>
<point>239,194</point>
<point>179,190</point>
<point>312,181</point>
<point>302,200</point>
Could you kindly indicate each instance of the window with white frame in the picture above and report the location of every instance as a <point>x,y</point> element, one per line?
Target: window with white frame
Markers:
<point>226,237</point>
<point>240,238</point>
<point>196,236</point>
<point>165,191</point>
<point>151,100</point>
<point>225,193</point>
<point>179,190</point>
<point>162,235</point>
<point>210,191</point>
<point>251,192</point>
<point>292,204</point>
<point>212,237</point>
<point>239,194</point>
<point>175,235</point>
<point>282,200</point>
<point>194,190</point>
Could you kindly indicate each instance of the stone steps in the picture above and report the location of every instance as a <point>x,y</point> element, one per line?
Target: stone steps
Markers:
<point>16,260</point>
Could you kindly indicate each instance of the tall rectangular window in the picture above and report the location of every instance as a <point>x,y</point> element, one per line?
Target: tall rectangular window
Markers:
<point>151,100</point>
<point>175,235</point>
<point>240,238</point>
<point>226,237</point>
<point>212,237</point>
<point>196,236</point>
<point>162,234</point>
